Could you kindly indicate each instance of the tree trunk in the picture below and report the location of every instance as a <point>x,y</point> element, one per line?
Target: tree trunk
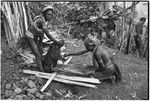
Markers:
<point>123,30</point>
<point>128,39</point>
<point>145,48</point>
<point>15,24</point>
<point>130,29</point>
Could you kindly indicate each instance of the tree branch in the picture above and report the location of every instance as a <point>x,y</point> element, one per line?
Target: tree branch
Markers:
<point>133,4</point>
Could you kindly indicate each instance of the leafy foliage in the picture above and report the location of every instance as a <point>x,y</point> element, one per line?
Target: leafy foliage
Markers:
<point>68,12</point>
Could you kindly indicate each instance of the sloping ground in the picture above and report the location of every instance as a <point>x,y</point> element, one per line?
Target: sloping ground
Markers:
<point>135,77</point>
<point>133,86</point>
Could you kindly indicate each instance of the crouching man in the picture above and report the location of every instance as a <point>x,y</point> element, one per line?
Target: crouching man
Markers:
<point>102,61</point>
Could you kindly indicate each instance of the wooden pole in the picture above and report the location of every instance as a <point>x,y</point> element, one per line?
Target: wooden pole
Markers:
<point>123,29</point>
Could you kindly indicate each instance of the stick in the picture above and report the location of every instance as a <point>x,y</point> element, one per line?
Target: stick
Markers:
<point>66,24</point>
<point>62,48</point>
<point>68,81</point>
<point>25,56</point>
<point>58,92</point>
<point>48,82</point>
<point>29,55</point>
<point>73,78</point>
<point>66,62</point>
<point>28,62</point>
<point>45,40</point>
<point>69,31</point>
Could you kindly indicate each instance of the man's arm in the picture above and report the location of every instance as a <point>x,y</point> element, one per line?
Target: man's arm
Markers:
<point>43,26</point>
<point>49,36</point>
<point>76,54</point>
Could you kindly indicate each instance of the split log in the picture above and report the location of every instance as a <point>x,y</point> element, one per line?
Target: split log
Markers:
<point>68,60</point>
<point>77,69</point>
<point>68,81</point>
<point>73,78</point>
<point>48,82</point>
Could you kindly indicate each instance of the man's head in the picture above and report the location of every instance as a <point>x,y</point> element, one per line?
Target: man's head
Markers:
<point>47,12</point>
<point>114,6</point>
<point>142,20</point>
<point>89,43</point>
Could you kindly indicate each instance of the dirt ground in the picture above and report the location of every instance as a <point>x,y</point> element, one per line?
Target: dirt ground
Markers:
<point>134,84</point>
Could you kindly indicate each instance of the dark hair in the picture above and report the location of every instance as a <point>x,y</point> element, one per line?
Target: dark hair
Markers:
<point>143,19</point>
<point>44,13</point>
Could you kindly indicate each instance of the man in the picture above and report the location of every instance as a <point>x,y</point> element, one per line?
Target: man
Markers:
<point>102,61</point>
<point>137,37</point>
<point>36,31</point>
<point>145,43</point>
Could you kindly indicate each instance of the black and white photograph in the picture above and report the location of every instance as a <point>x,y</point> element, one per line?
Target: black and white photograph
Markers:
<point>74,50</point>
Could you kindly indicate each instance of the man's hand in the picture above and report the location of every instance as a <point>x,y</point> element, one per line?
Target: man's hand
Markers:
<point>62,58</point>
<point>60,43</point>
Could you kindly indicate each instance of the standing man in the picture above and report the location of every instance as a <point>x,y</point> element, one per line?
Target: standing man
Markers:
<point>137,37</point>
<point>36,31</point>
<point>145,43</point>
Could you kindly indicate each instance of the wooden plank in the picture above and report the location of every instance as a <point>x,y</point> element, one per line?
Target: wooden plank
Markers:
<point>68,81</point>
<point>48,82</point>
<point>30,72</point>
<point>73,78</point>
<point>81,79</point>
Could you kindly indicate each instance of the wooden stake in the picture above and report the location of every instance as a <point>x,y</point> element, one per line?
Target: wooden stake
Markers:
<point>48,82</point>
